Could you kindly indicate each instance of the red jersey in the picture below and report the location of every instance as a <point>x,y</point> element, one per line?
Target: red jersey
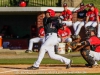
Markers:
<point>64,33</point>
<point>92,14</point>
<point>67,14</point>
<point>95,41</point>
<point>41,32</point>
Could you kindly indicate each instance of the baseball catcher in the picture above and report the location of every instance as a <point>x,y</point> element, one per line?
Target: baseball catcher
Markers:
<point>91,55</point>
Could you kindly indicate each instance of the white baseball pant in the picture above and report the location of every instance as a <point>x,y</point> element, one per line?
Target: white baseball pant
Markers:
<point>67,40</point>
<point>34,40</point>
<point>95,55</point>
<point>68,23</point>
<point>77,27</point>
<point>48,46</point>
<point>91,23</point>
<point>98,31</point>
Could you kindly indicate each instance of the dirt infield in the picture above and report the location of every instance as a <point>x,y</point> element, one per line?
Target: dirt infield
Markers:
<point>46,69</point>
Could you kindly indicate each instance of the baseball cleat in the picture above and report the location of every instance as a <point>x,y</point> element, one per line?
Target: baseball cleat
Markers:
<point>69,65</point>
<point>32,68</point>
<point>28,51</point>
<point>91,66</point>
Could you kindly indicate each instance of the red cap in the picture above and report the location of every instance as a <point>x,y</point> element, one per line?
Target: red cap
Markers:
<point>81,4</point>
<point>65,5</point>
<point>91,5</point>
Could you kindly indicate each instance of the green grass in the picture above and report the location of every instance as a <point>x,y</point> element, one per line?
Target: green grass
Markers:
<point>95,2</point>
<point>77,60</point>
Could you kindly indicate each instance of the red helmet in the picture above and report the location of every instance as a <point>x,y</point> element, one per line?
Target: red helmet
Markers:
<point>52,12</point>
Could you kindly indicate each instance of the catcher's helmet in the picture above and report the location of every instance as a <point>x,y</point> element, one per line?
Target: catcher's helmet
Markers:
<point>90,29</point>
<point>51,12</point>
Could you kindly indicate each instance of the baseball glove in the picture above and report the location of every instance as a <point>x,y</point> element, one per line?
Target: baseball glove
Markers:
<point>72,45</point>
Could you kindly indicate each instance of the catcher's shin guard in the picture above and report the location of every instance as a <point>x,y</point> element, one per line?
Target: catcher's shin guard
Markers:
<point>87,57</point>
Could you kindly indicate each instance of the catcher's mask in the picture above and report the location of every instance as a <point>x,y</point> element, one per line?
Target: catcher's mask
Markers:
<point>90,29</point>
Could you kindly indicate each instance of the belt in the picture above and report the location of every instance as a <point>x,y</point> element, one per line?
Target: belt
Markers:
<point>49,34</point>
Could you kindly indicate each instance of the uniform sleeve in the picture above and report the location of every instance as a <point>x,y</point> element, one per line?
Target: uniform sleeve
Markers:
<point>70,14</point>
<point>58,32</point>
<point>39,31</point>
<point>96,12</point>
<point>88,13</point>
<point>68,31</point>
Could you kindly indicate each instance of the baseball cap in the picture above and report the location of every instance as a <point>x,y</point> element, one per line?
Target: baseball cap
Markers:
<point>91,5</point>
<point>65,5</point>
<point>81,4</point>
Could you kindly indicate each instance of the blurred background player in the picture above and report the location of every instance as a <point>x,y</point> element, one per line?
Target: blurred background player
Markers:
<point>64,35</point>
<point>92,17</point>
<point>81,17</point>
<point>66,15</point>
<point>41,34</point>
<point>51,26</point>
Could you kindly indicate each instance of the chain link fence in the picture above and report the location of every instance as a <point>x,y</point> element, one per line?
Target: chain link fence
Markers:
<point>31,3</point>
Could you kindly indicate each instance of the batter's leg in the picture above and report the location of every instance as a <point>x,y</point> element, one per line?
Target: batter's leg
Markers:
<point>40,56</point>
<point>57,57</point>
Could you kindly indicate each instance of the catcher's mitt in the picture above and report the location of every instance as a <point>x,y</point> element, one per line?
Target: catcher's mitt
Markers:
<point>72,45</point>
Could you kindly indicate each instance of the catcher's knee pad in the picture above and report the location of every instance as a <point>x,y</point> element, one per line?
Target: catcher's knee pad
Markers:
<point>87,57</point>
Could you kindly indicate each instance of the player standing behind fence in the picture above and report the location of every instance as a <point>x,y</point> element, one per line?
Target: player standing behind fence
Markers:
<point>81,17</point>
<point>66,15</point>
<point>92,18</point>
<point>36,40</point>
<point>51,26</point>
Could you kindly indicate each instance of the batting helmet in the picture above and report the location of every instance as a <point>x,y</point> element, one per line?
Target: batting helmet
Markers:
<point>51,12</point>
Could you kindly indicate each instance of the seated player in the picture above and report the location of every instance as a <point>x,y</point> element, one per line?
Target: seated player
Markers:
<point>64,35</point>
<point>36,40</point>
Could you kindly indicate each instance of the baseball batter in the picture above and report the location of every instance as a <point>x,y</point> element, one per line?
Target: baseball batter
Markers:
<point>51,27</point>
<point>66,16</point>
<point>81,17</point>
<point>36,40</point>
<point>93,18</point>
<point>93,55</point>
